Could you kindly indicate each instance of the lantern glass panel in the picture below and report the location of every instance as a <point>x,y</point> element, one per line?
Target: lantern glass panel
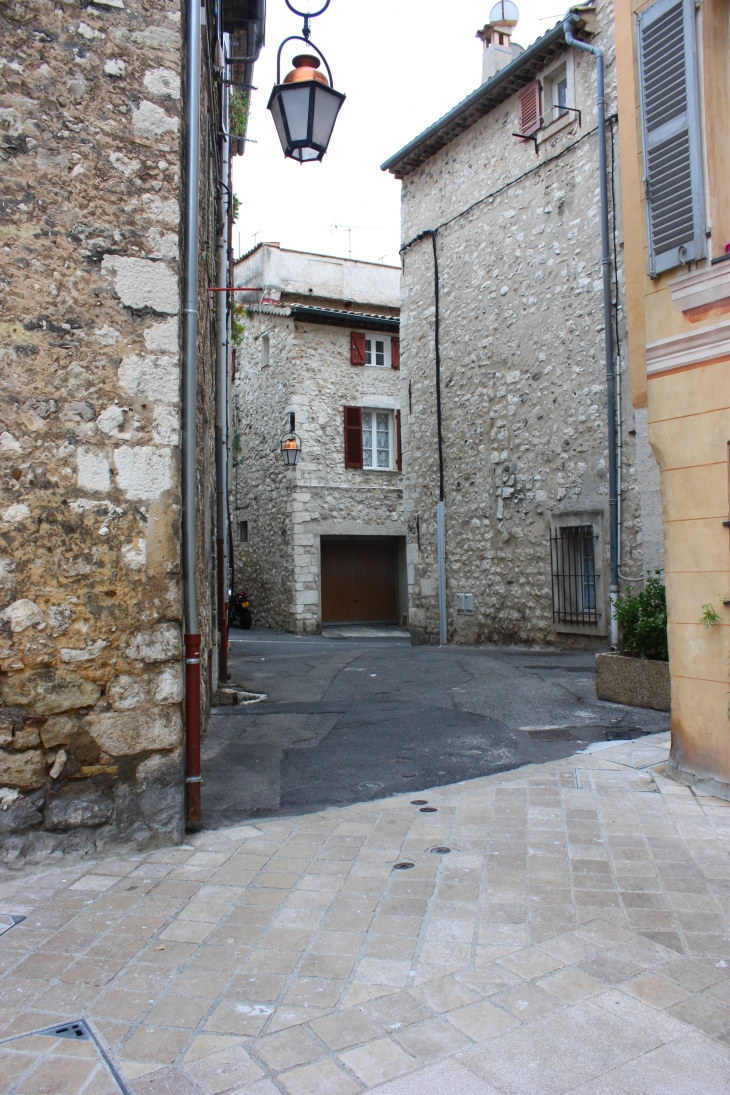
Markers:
<point>295,105</point>
<point>275,108</point>
<point>326,106</point>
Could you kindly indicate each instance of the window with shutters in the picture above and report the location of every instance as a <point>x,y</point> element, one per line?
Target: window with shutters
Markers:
<point>670,122</point>
<point>380,351</point>
<point>372,439</point>
<point>528,105</point>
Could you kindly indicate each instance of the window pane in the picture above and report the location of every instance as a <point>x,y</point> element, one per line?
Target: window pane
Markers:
<point>383,439</point>
<point>368,352</point>
<point>561,90</point>
<point>367,439</point>
<point>380,353</point>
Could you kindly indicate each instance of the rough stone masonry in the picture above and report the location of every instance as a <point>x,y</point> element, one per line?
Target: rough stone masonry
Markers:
<point>90,584</point>
<point>523,369</point>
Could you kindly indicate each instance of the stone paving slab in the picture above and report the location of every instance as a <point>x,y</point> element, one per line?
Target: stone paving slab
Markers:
<point>574,938</point>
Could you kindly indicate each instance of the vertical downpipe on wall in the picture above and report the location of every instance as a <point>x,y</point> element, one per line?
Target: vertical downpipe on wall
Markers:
<point>597,52</point>
<point>189,410</point>
<point>441,507</point>
<point>221,390</point>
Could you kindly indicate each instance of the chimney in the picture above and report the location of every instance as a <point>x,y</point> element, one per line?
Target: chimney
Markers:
<point>499,50</point>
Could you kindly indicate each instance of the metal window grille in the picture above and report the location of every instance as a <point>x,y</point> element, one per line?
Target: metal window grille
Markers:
<point>574,575</point>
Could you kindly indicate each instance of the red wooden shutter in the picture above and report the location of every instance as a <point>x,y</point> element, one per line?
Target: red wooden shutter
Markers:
<point>395,353</point>
<point>357,348</point>
<point>399,448</point>
<point>529,107</point>
<point>353,437</point>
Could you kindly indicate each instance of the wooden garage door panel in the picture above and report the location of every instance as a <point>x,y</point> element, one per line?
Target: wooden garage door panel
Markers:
<point>359,581</point>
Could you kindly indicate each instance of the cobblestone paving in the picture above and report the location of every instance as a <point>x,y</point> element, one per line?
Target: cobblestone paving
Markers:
<point>574,939</point>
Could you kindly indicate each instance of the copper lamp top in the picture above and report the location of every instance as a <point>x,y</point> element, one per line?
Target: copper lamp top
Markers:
<point>305,68</point>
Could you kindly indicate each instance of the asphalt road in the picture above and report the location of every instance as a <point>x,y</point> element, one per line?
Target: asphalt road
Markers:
<point>348,720</point>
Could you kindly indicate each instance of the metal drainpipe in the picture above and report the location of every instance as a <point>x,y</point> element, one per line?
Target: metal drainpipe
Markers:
<point>189,411</point>
<point>441,507</point>
<point>597,52</point>
<point>221,393</point>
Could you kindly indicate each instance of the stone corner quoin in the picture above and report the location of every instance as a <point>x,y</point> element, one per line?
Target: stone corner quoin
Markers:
<point>91,680</point>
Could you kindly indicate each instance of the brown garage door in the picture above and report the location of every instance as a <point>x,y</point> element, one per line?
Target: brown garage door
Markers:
<point>359,581</point>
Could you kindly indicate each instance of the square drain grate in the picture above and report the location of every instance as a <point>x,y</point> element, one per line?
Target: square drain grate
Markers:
<point>65,1058</point>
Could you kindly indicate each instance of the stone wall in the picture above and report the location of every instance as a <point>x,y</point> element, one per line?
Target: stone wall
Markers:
<point>290,509</point>
<point>523,367</point>
<point>90,646</point>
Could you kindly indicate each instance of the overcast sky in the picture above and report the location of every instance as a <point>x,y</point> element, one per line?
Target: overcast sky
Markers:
<point>402,64</point>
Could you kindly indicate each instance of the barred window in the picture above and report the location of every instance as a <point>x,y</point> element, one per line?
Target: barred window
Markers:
<point>574,575</point>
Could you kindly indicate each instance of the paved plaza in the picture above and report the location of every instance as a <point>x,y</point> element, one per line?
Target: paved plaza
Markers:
<point>563,928</point>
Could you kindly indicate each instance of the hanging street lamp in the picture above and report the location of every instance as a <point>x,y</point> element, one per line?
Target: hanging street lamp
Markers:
<point>291,444</point>
<point>305,105</point>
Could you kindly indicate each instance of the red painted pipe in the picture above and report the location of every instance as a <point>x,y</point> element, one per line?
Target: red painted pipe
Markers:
<point>192,727</point>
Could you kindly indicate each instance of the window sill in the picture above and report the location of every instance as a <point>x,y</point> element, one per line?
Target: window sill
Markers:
<point>555,127</point>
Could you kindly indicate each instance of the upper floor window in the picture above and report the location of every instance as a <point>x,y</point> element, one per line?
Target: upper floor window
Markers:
<point>381,351</point>
<point>376,440</point>
<point>372,439</point>
<point>376,352</point>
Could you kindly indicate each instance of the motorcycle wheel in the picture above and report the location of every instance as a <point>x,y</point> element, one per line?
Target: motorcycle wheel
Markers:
<point>245,619</point>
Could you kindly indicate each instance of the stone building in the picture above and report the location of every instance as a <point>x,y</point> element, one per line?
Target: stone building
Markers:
<point>322,541</point>
<point>501,234</point>
<point>93,131</point>
<point>678,305</point>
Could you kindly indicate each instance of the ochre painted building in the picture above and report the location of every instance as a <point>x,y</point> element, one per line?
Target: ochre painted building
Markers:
<point>673,87</point>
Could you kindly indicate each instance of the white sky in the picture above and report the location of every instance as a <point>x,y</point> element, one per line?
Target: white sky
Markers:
<point>402,65</point>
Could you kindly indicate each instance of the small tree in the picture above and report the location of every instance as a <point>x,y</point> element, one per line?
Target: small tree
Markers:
<point>642,620</point>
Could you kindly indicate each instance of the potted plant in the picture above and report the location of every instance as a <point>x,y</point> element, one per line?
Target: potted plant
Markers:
<point>638,674</point>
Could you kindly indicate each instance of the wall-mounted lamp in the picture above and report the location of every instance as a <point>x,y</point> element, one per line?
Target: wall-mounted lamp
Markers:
<point>291,444</point>
<point>305,106</point>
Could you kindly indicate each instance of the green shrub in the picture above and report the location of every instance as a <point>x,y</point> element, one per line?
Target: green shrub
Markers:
<point>642,621</point>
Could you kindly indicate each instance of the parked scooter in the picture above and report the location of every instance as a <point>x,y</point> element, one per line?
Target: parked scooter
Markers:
<point>239,612</point>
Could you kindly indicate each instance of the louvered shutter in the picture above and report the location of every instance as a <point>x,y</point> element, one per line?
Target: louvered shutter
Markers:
<point>529,109</point>
<point>671,134</point>
<point>399,447</point>
<point>353,437</point>
<point>395,353</point>
<point>357,348</point>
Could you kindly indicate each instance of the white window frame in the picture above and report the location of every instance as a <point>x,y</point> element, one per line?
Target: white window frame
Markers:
<point>371,338</point>
<point>552,122</point>
<point>391,438</point>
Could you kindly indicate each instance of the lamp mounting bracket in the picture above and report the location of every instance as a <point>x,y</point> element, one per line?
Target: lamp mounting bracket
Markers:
<point>307,15</point>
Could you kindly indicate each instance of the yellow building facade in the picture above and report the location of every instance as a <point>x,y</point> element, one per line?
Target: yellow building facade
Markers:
<point>673,67</point>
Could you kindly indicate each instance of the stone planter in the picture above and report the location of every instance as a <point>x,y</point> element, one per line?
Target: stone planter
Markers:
<point>635,681</point>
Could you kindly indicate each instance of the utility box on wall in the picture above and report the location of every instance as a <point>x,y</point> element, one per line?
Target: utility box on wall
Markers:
<point>465,604</point>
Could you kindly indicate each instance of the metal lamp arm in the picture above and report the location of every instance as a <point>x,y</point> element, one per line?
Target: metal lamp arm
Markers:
<point>298,38</point>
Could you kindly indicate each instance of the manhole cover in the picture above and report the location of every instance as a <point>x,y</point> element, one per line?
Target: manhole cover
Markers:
<point>428,810</point>
<point>419,801</point>
<point>404,865</point>
<point>440,849</point>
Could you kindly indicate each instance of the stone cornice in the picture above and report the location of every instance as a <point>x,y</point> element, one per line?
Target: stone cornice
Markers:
<point>707,287</point>
<point>686,350</point>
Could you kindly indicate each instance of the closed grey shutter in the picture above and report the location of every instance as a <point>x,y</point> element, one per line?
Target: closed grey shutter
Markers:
<point>673,176</point>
